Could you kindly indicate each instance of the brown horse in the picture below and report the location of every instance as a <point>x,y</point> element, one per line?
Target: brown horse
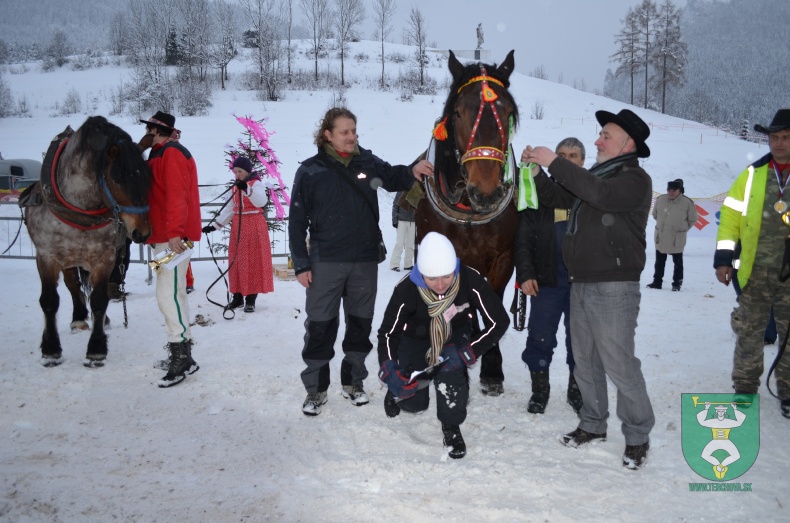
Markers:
<point>470,198</point>
<point>93,192</point>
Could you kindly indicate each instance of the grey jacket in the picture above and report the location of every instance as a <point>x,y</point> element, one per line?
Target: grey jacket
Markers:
<point>674,218</point>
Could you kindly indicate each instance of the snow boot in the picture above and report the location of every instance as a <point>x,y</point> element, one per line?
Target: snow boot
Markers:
<point>165,363</point>
<point>249,303</point>
<point>580,437</point>
<point>313,403</point>
<point>181,364</point>
<point>574,395</point>
<point>655,285</point>
<point>356,394</point>
<point>676,287</point>
<point>454,441</point>
<point>635,456</point>
<point>237,301</point>
<point>786,407</point>
<point>540,392</point>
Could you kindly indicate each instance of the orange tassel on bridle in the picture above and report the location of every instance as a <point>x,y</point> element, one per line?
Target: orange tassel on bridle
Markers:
<point>440,131</point>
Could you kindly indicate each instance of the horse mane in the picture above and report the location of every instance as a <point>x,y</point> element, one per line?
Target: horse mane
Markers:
<point>104,140</point>
<point>446,161</point>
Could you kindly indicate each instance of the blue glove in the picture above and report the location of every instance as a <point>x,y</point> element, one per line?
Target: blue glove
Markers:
<point>398,384</point>
<point>456,358</point>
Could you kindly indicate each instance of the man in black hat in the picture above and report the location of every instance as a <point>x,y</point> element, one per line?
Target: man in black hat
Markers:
<point>175,215</point>
<point>675,214</point>
<point>756,213</point>
<point>604,252</point>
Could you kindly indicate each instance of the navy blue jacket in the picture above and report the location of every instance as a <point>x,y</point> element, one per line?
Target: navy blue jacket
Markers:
<point>341,226</point>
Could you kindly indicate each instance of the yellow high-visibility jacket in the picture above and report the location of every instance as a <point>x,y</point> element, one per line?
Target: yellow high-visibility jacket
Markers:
<point>741,218</point>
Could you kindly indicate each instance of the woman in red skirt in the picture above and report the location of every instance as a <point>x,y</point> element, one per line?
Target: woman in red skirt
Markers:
<point>249,249</point>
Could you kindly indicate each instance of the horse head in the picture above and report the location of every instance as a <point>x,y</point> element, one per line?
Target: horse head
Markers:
<point>479,115</point>
<point>122,174</point>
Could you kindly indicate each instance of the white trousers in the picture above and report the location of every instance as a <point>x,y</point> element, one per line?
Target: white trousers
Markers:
<point>171,296</point>
<point>404,243</point>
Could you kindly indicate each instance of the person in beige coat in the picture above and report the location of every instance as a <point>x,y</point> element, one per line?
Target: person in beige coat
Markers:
<point>675,213</point>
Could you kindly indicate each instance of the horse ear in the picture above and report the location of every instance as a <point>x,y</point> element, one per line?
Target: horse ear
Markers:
<point>456,67</point>
<point>507,66</point>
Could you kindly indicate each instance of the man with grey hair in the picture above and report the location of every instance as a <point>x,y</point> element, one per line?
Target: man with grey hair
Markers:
<point>541,274</point>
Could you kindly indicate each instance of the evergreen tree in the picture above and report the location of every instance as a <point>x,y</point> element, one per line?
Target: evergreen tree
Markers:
<point>172,48</point>
<point>669,55</point>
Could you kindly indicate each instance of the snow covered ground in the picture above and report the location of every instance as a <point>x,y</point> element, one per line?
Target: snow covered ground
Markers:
<point>231,443</point>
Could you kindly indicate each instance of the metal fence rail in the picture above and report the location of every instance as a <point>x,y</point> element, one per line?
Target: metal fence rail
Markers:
<point>23,247</point>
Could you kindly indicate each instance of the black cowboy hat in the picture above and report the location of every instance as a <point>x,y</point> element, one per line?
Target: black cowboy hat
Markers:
<point>162,120</point>
<point>780,122</point>
<point>634,126</point>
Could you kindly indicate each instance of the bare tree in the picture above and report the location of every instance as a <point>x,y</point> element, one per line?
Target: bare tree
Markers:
<point>629,54</point>
<point>287,10</point>
<point>316,13</point>
<point>647,23</point>
<point>350,14</point>
<point>539,72</point>
<point>148,22</point>
<point>58,49</point>
<point>223,46</point>
<point>195,31</point>
<point>416,35</point>
<point>262,15</point>
<point>119,34</point>
<point>669,56</point>
<point>384,12</point>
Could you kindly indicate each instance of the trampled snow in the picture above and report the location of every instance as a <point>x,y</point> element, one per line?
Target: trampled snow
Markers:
<point>231,443</point>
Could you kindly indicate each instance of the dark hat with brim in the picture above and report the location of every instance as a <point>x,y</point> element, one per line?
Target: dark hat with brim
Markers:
<point>674,186</point>
<point>162,120</point>
<point>634,126</point>
<point>780,122</point>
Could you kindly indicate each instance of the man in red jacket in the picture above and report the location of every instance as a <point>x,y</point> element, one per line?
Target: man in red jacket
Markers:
<point>175,216</point>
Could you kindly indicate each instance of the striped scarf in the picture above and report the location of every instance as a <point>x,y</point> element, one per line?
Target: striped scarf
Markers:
<point>440,328</point>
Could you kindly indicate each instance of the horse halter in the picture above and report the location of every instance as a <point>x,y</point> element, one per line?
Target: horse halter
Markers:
<point>487,97</point>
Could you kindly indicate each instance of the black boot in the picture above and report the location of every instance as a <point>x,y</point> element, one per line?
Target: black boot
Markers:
<point>454,440</point>
<point>237,301</point>
<point>249,303</point>
<point>785,406</point>
<point>655,285</point>
<point>574,395</point>
<point>181,364</point>
<point>540,392</point>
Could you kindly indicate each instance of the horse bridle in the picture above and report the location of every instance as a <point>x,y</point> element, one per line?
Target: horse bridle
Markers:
<point>86,218</point>
<point>487,98</point>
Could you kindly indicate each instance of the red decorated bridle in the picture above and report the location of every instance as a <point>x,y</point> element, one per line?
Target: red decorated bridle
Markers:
<point>487,97</point>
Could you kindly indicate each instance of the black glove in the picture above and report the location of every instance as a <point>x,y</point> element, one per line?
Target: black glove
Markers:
<point>241,185</point>
<point>395,223</point>
<point>209,228</point>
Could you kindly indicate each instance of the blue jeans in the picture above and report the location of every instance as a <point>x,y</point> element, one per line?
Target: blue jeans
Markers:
<point>547,308</point>
<point>603,323</point>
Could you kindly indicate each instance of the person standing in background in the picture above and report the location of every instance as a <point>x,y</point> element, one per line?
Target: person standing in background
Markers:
<point>403,221</point>
<point>675,214</point>
<point>249,247</point>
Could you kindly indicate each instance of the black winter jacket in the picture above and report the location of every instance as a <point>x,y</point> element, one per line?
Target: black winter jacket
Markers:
<point>609,244</point>
<point>406,316</point>
<point>342,227</point>
<point>535,247</point>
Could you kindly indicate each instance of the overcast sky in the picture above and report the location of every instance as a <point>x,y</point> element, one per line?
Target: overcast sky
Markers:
<point>572,37</point>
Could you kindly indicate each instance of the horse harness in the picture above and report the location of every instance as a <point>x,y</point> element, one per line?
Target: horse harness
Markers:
<point>445,201</point>
<point>61,208</point>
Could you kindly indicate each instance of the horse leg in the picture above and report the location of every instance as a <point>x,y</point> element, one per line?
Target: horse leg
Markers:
<point>51,351</point>
<point>97,344</point>
<point>79,315</point>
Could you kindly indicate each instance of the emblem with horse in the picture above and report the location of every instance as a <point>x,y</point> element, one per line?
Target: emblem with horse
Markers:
<point>93,193</point>
<point>470,198</point>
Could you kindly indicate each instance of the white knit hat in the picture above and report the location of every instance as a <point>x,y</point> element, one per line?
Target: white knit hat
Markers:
<point>436,256</point>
